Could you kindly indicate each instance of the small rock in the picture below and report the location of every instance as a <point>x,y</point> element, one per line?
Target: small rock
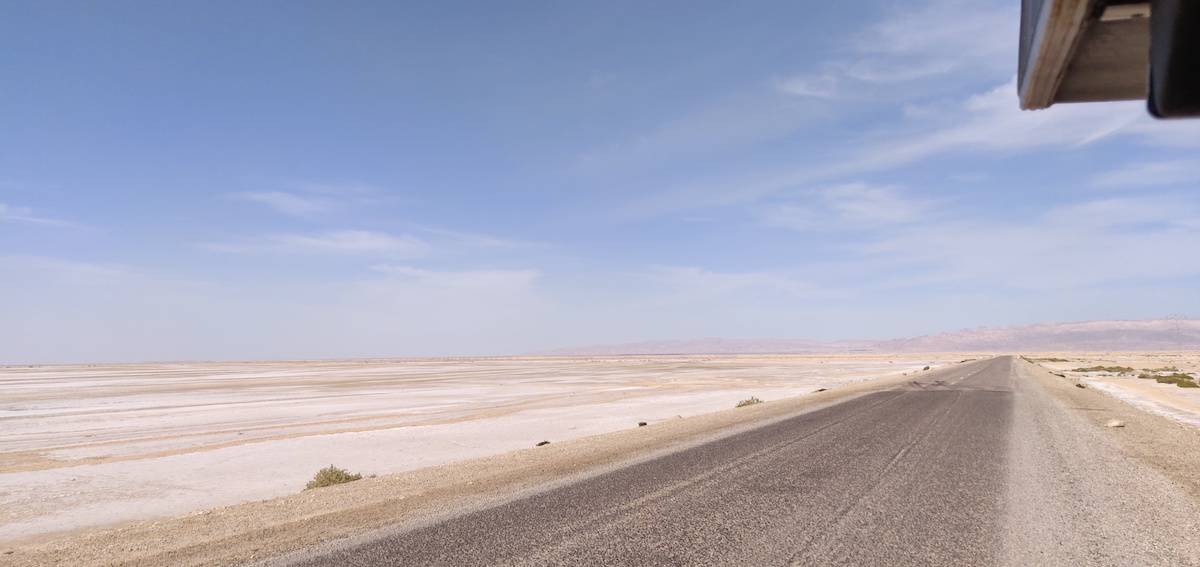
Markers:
<point>822,389</point>
<point>1078,385</point>
<point>1059,375</point>
<point>641,424</point>
<point>926,368</point>
<point>1114,423</point>
<point>543,443</point>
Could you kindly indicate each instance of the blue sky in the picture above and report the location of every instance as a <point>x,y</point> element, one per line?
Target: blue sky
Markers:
<point>302,179</point>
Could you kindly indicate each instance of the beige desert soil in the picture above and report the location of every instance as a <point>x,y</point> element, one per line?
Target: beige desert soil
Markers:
<point>94,446</point>
<point>1180,404</point>
<point>265,529</point>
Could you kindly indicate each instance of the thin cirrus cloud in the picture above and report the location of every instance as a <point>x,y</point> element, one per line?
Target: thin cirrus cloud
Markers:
<point>686,282</point>
<point>990,122</point>
<point>25,215</point>
<point>474,239</point>
<point>510,280</point>
<point>65,271</point>
<point>987,123</point>
<point>1151,173</point>
<point>352,242</point>
<point>936,36</point>
<point>724,123</point>
<point>848,206</point>
<point>914,43</point>
<point>818,86</point>
<point>287,203</point>
<point>369,242</point>
<point>1077,245</point>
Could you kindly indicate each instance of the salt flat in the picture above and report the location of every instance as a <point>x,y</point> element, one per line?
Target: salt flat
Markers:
<point>1180,404</point>
<point>85,446</point>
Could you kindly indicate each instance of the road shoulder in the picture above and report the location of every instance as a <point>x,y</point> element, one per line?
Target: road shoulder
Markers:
<point>1170,447</point>
<point>1084,493</point>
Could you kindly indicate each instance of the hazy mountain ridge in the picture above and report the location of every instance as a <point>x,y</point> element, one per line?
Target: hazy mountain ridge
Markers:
<point>1116,335</point>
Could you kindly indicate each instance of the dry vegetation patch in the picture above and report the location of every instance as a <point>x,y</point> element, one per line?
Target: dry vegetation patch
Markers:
<point>1109,369</point>
<point>1177,378</point>
<point>330,476</point>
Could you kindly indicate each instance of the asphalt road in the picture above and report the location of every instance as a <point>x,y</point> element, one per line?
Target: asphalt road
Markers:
<point>976,467</point>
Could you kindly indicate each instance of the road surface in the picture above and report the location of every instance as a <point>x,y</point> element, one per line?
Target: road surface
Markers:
<point>978,466</point>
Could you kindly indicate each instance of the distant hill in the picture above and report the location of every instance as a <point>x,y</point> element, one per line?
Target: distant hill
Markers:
<point>1155,334</point>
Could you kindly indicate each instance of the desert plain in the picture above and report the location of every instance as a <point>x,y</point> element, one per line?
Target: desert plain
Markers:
<point>205,463</point>
<point>1128,376</point>
<point>93,446</point>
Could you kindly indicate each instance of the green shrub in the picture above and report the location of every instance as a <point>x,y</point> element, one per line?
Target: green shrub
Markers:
<point>330,476</point>
<point>1178,379</point>
<point>1111,369</point>
<point>749,402</point>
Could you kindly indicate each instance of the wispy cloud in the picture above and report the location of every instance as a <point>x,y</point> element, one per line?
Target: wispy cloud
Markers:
<point>988,123</point>
<point>460,279</point>
<point>1169,133</point>
<point>73,271</point>
<point>1083,244</point>
<point>10,213</point>
<point>312,199</point>
<point>817,86</point>
<point>853,206</point>
<point>915,42</point>
<point>992,122</point>
<point>422,241</point>
<point>689,281</point>
<point>349,190</point>
<point>934,38</point>
<point>331,242</point>
<point>287,203</point>
<point>1150,173</point>
<point>353,241</point>
<point>474,239</point>
<point>723,123</point>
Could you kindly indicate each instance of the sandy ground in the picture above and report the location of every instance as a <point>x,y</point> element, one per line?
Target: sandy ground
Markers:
<point>243,533</point>
<point>88,446</point>
<point>1180,404</point>
<point>262,530</point>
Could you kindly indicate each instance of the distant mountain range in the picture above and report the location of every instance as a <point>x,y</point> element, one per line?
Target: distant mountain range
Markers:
<point>1154,334</point>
